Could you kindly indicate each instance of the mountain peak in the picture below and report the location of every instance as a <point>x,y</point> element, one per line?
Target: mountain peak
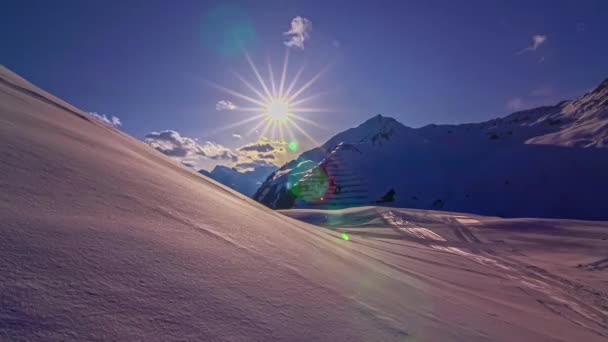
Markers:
<point>379,122</point>
<point>379,118</point>
<point>603,85</point>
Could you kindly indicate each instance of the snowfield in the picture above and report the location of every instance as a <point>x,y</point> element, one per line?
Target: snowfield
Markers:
<point>103,238</point>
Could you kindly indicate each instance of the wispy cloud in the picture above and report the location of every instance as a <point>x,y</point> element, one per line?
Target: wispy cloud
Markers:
<point>224,105</point>
<point>537,41</point>
<point>112,120</point>
<point>298,33</point>
<point>237,136</point>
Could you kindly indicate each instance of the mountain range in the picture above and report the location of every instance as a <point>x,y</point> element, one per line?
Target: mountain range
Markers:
<point>243,181</point>
<point>550,161</point>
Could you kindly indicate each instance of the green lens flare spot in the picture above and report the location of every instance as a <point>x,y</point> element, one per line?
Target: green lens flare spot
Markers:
<point>228,30</point>
<point>293,146</point>
<point>345,237</point>
<point>308,184</point>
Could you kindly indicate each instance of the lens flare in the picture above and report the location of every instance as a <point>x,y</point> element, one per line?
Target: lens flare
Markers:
<point>312,187</point>
<point>293,146</point>
<point>227,29</point>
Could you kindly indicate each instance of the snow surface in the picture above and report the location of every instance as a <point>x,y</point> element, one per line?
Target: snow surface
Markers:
<point>547,162</point>
<point>103,238</point>
<point>559,264</point>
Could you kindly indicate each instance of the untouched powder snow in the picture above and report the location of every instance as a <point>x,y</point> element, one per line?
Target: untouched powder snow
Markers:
<point>104,239</point>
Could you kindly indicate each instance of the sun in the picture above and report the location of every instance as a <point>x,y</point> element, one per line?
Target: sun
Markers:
<point>277,110</point>
<point>277,104</point>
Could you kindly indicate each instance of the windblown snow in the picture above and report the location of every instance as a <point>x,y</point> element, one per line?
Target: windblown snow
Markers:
<point>104,238</point>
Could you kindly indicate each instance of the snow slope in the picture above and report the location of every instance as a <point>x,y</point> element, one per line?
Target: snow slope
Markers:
<point>560,263</point>
<point>104,238</point>
<point>544,162</point>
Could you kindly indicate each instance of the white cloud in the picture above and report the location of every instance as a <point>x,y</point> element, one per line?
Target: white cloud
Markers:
<point>111,121</point>
<point>537,41</point>
<point>191,153</point>
<point>116,121</point>
<point>218,152</point>
<point>188,151</point>
<point>237,136</point>
<point>224,105</point>
<point>298,33</point>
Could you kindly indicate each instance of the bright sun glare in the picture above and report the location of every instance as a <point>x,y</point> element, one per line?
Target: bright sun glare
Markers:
<point>278,110</point>
<point>278,104</point>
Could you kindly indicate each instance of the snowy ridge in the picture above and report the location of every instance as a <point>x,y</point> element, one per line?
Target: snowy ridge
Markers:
<point>543,162</point>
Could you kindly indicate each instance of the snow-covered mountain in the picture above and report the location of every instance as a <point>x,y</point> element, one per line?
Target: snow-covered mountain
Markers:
<point>244,181</point>
<point>544,162</point>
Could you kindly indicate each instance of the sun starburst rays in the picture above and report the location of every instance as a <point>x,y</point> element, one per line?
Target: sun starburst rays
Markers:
<point>251,87</point>
<point>301,130</point>
<point>235,93</point>
<point>293,82</point>
<point>273,85</point>
<point>306,85</point>
<point>276,103</point>
<point>258,76</point>
<point>309,98</point>
<point>284,73</point>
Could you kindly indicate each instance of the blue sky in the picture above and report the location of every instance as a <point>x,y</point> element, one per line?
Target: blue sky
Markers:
<point>419,61</point>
